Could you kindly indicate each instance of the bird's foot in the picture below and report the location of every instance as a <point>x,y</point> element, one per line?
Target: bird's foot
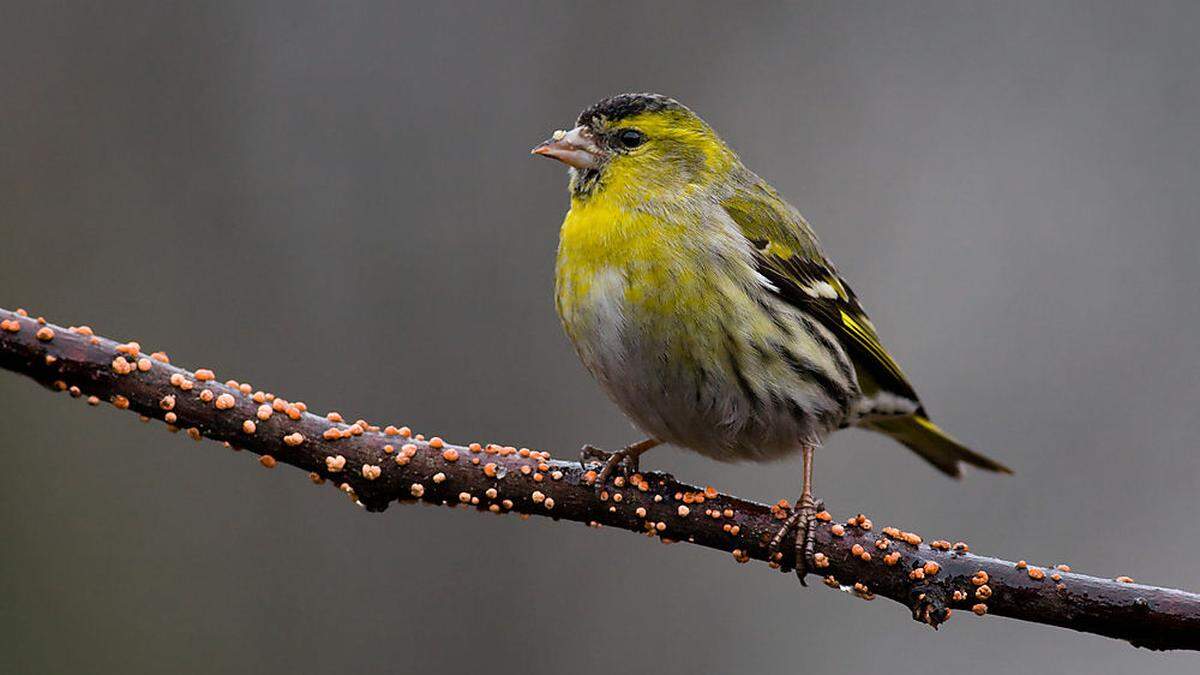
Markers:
<point>625,459</point>
<point>802,520</point>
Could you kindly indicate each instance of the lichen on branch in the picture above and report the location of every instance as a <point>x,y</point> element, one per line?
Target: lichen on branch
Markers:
<point>378,465</point>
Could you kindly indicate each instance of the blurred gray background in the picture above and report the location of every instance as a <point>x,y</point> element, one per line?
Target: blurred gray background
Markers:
<point>336,202</point>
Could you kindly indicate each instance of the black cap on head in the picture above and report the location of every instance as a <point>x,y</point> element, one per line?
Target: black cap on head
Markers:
<point>626,105</point>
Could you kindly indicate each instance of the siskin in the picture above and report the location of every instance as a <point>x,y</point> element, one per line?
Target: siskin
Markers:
<point>702,303</point>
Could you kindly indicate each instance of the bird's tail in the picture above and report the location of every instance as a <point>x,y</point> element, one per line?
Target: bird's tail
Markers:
<point>934,445</point>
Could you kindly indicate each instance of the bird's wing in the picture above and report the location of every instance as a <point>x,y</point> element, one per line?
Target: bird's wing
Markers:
<point>789,257</point>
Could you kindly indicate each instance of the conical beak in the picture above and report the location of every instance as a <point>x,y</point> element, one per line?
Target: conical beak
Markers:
<point>573,148</point>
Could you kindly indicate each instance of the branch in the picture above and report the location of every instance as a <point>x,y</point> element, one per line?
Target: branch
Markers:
<point>377,467</point>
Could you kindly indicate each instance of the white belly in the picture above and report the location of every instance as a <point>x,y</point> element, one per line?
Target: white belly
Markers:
<point>700,380</point>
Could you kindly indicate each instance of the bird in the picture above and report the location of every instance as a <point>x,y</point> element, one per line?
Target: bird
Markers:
<point>702,303</point>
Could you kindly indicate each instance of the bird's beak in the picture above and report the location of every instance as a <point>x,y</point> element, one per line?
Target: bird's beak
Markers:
<point>573,148</point>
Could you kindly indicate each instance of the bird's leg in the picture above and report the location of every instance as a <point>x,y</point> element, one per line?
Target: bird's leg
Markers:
<point>802,520</point>
<point>626,458</point>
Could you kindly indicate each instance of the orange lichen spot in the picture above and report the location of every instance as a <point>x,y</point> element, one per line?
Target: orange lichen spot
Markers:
<point>1124,579</point>
<point>206,396</point>
<point>741,556</point>
<point>980,609</point>
<point>335,417</point>
<point>710,492</point>
<point>1056,577</point>
<point>1021,564</point>
<point>475,447</point>
<point>882,543</point>
<point>292,412</point>
<point>892,532</point>
<point>660,526</point>
<point>1063,568</point>
<point>121,366</point>
<point>371,471</point>
<point>837,530</point>
<point>439,477</point>
<point>549,503</point>
<point>335,463</point>
<point>821,560</point>
<point>683,511</point>
<point>10,325</point>
<point>389,449</point>
<point>449,454</point>
<point>538,477</point>
<point>45,334</point>
<point>93,400</point>
<point>51,359</point>
<point>910,538</point>
<point>831,581</point>
<point>940,545</point>
<point>641,512</point>
<point>75,392</point>
<point>958,596</point>
<point>891,558</point>
<point>417,490</point>
<point>264,412</point>
<point>167,402</point>
<point>130,348</point>
<point>735,530</point>
<point>170,418</point>
<point>983,592</point>
<point>267,461</point>
<point>316,478</point>
<point>464,497</point>
<point>120,402</point>
<point>491,493</point>
<point>931,568</point>
<point>205,375</point>
<point>59,385</point>
<point>301,406</point>
<point>917,574</point>
<point>489,470</point>
<point>331,434</point>
<point>980,578</point>
<point>176,379</point>
<point>1036,573</point>
<point>187,385</point>
<point>405,432</point>
<point>856,550</point>
<point>824,516</point>
<point>226,401</point>
<point>161,357</point>
<point>437,443</point>
<point>193,433</point>
<point>144,364</point>
<point>556,475</point>
<point>537,497</point>
<point>249,427</point>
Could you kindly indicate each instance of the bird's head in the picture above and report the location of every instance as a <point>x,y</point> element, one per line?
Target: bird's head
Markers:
<point>639,147</point>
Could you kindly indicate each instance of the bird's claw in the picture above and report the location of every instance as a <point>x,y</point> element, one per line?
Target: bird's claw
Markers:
<point>802,519</point>
<point>625,459</point>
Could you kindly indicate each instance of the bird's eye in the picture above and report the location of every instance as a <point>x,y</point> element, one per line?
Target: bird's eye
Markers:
<point>631,138</point>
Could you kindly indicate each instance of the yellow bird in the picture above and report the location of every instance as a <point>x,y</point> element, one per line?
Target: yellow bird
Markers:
<point>703,304</point>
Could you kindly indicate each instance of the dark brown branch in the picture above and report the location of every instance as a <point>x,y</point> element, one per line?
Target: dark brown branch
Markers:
<point>377,467</point>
